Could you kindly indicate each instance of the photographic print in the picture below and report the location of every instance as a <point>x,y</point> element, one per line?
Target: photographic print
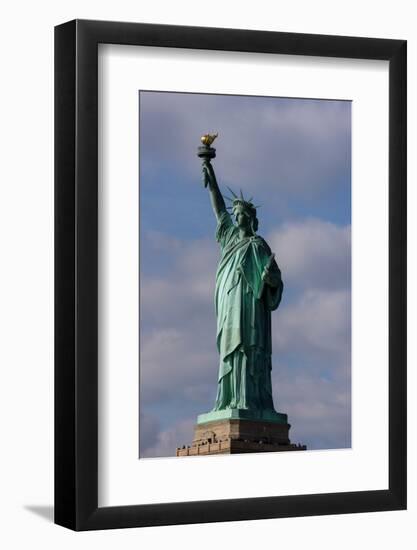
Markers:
<point>203,282</point>
<point>245,274</point>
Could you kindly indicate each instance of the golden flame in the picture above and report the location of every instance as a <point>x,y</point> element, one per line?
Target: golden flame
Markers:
<point>208,139</point>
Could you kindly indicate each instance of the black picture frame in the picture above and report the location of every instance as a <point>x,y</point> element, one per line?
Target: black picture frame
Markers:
<point>76,272</point>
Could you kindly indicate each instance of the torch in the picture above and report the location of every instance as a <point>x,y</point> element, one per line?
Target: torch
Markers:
<point>206,152</point>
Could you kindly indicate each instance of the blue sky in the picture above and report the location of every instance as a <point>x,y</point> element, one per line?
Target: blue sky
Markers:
<point>294,157</point>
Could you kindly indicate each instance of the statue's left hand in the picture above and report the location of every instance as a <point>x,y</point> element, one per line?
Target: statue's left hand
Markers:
<point>270,277</point>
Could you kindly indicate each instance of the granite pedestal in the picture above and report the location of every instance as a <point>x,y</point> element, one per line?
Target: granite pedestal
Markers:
<point>234,431</point>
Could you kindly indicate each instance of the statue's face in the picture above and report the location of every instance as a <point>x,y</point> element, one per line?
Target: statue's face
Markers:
<point>242,218</point>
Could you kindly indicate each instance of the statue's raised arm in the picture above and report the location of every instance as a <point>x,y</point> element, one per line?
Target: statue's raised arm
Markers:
<point>217,201</point>
<point>206,152</point>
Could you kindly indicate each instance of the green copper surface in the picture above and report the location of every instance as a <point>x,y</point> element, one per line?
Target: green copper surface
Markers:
<point>242,414</point>
<point>248,288</point>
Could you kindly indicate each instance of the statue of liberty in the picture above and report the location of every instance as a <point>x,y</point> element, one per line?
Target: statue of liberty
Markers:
<point>248,288</point>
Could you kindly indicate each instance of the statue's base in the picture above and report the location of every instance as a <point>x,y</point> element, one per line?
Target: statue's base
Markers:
<point>233,436</point>
<point>243,414</point>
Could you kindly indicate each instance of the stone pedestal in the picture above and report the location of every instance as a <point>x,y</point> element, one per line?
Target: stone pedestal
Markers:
<point>237,435</point>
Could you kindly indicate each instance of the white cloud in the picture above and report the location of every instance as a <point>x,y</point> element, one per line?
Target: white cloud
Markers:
<point>167,441</point>
<point>313,253</point>
<point>318,407</point>
<point>178,355</point>
<point>319,322</point>
<point>173,360</point>
<point>191,278</point>
<point>308,141</point>
<point>149,428</point>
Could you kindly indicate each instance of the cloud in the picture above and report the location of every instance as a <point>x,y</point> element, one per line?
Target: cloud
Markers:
<point>317,323</point>
<point>292,147</point>
<point>177,364</point>
<point>318,406</point>
<point>178,355</point>
<point>188,273</point>
<point>149,428</point>
<point>166,441</point>
<point>313,253</point>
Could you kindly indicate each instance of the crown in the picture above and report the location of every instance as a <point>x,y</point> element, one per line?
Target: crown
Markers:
<point>241,201</point>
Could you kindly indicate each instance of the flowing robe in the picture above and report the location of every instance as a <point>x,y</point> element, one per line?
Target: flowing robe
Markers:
<point>243,308</point>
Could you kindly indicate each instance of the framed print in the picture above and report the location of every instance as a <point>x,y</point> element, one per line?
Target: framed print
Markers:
<point>230,337</point>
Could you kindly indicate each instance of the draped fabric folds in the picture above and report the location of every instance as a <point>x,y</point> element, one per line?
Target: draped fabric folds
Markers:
<point>243,307</point>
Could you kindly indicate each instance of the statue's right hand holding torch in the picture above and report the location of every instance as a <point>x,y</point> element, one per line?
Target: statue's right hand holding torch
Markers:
<point>206,153</point>
<point>209,177</point>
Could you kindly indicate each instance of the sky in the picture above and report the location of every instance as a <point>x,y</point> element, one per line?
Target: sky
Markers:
<point>294,157</point>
